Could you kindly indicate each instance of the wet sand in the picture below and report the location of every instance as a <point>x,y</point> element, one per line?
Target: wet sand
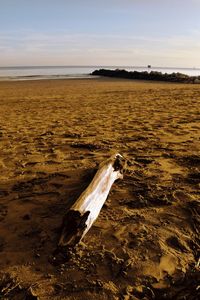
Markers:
<point>145,243</point>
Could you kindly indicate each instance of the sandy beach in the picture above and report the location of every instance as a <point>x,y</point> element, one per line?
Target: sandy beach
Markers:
<point>145,243</point>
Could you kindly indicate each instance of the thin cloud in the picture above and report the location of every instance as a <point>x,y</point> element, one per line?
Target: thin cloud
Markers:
<point>65,48</point>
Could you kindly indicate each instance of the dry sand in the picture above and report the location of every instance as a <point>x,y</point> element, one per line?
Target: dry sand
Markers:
<point>145,243</point>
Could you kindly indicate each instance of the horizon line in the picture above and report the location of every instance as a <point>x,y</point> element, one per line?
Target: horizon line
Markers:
<point>94,66</point>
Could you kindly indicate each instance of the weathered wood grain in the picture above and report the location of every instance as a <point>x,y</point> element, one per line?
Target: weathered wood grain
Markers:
<point>86,209</point>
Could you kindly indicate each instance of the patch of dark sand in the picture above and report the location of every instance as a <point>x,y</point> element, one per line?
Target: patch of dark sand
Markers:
<point>42,199</point>
<point>190,160</point>
<point>147,192</point>
<point>175,243</point>
<point>88,146</point>
<point>194,177</point>
<point>183,286</point>
<point>3,211</point>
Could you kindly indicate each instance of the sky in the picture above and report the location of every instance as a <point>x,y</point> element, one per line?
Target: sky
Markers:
<point>104,32</point>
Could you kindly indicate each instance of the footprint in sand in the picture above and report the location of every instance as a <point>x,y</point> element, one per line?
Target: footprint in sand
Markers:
<point>175,243</point>
<point>2,241</point>
<point>3,212</point>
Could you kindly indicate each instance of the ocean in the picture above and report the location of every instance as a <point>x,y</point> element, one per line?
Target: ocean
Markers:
<point>64,72</point>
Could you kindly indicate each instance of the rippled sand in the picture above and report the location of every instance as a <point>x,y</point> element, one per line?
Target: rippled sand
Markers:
<point>53,135</point>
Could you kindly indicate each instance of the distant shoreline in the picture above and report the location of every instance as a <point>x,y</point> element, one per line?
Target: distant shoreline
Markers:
<point>144,75</point>
<point>44,77</point>
<point>66,72</point>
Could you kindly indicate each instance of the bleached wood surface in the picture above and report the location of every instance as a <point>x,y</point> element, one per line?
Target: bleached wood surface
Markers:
<point>86,209</point>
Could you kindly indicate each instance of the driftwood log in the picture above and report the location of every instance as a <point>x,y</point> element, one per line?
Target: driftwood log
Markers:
<point>86,209</point>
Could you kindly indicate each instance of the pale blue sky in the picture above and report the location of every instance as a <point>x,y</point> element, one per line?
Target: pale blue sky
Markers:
<point>103,32</point>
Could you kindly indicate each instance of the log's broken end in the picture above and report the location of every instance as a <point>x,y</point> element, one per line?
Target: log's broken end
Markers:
<point>73,227</point>
<point>119,165</point>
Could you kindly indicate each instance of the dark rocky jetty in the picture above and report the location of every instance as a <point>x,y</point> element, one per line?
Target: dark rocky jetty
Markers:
<point>153,75</point>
